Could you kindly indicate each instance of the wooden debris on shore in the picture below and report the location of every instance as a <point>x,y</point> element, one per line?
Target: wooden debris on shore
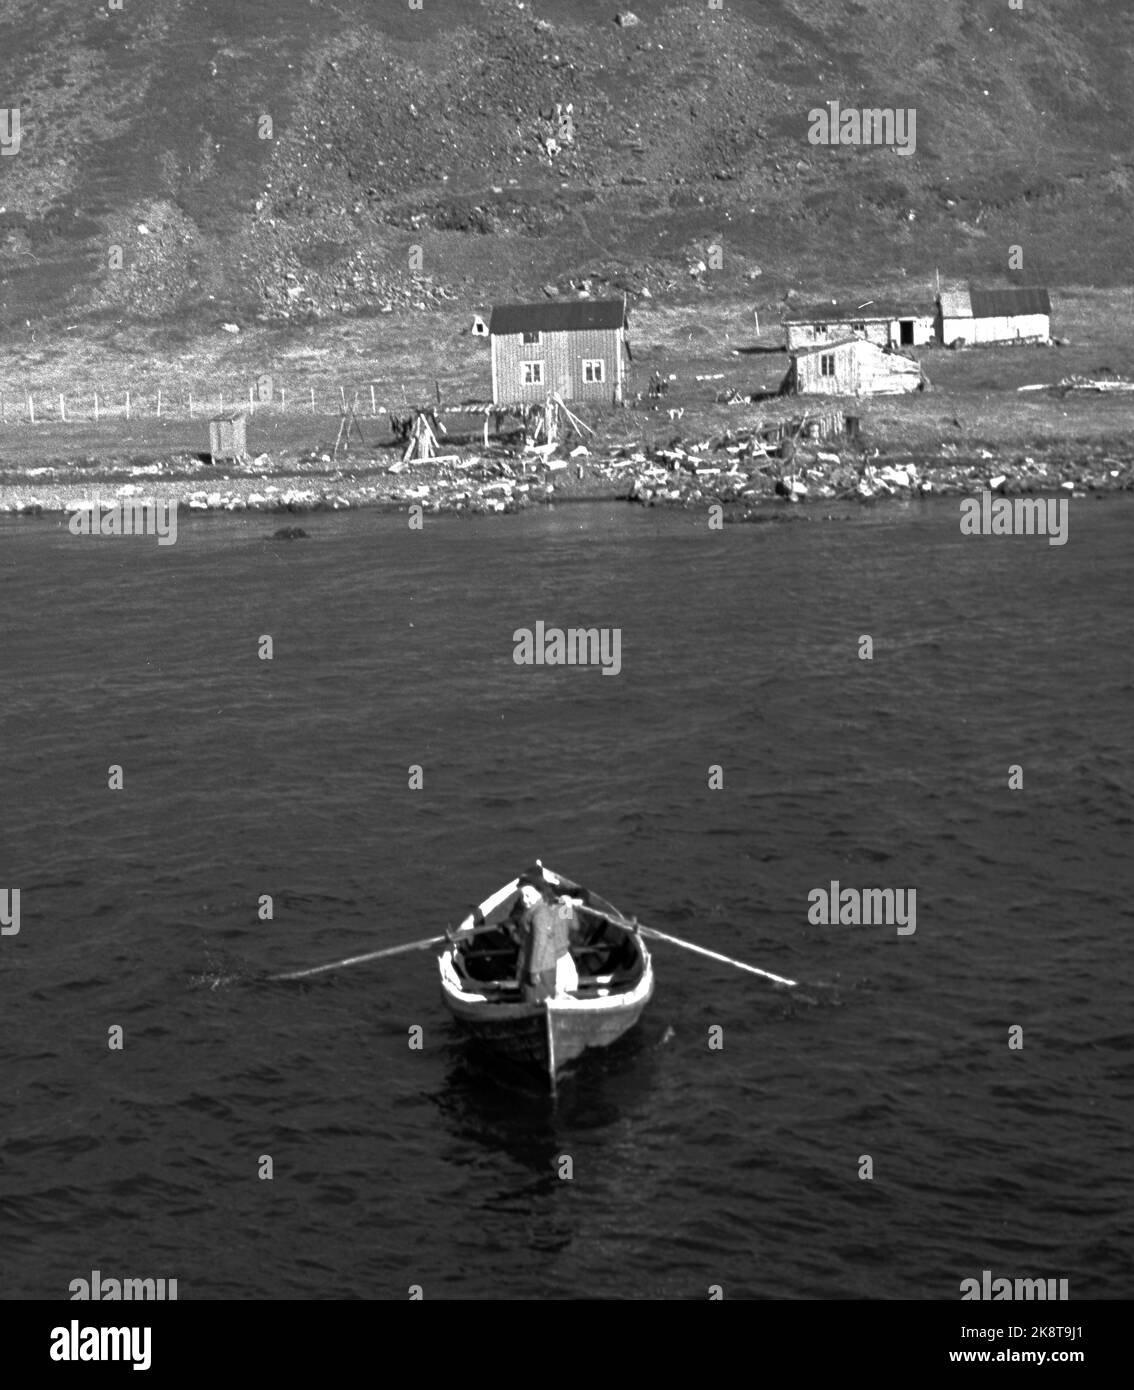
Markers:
<point>1104,384</point>
<point>1081,383</point>
<point>551,422</point>
<point>422,445</point>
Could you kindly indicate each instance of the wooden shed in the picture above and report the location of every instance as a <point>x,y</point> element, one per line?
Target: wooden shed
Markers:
<point>226,436</point>
<point>887,324</point>
<point>984,317</point>
<point>573,349</point>
<point>853,367</point>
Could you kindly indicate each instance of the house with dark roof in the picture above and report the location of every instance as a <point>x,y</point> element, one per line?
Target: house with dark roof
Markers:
<point>973,316</point>
<point>885,322</point>
<point>573,349</point>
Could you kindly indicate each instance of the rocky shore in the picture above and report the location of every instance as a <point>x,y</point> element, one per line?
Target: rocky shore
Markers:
<point>676,478</point>
<point>735,470</point>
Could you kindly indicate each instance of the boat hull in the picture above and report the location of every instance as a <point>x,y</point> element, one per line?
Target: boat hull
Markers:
<point>553,1033</point>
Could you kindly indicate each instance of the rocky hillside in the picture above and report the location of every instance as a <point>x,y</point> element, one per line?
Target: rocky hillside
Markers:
<point>290,158</point>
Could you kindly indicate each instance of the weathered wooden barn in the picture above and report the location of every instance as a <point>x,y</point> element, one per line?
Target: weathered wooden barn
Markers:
<point>882,322</point>
<point>574,349</point>
<point>853,367</point>
<point>975,316</point>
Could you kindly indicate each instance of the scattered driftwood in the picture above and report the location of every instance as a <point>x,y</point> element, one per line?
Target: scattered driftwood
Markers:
<point>422,444</point>
<point>551,422</point>
<point>1104,385</point>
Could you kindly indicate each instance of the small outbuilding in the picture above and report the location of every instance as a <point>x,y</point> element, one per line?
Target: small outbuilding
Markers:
<point>984,317</point>
<point>887,324</point>
<point>574,350</point>
<point>478,328</point>
<point>853,367</point>
<point>226,437</point>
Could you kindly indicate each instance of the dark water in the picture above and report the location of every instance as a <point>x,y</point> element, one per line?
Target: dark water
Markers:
<point>692,1166</point>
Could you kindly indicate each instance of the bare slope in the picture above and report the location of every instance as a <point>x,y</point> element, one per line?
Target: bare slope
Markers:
<point>394,129</point>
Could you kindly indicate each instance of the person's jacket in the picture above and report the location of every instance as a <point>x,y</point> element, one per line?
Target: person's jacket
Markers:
<point>546,936</point>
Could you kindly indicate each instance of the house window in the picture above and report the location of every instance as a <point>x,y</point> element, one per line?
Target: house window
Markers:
<point>594,369</point>
<point>531,337</point>
<point>827,364</point>
<point>820,330</point>
<point>532,373</point>
<point>858,327</point>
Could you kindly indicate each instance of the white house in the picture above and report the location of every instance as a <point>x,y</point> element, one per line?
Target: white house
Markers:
<point>975,316</point>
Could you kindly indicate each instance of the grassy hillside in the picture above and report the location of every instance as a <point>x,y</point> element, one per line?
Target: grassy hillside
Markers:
<point>394,129</point>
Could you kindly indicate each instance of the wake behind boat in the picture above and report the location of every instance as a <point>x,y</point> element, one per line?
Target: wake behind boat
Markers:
<point>482,986</point>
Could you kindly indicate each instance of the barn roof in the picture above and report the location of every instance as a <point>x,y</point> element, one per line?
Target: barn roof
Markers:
<point>570,316</point>
<point>849,311</point>
<point>994,304</point>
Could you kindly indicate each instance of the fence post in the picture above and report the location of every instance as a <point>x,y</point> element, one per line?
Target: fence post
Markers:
<point>373,404</point>
<point>251,402</point>
<point>190,405</point>
<point>127,405</point>
<point>31,410</point>
<point>62,407</point>
<point>159,402</point>
<point>283,400</point>
<point>312,400</point>
<point>96,407</point>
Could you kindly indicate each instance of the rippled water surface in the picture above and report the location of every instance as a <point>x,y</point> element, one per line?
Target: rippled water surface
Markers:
<point>692,1166</point>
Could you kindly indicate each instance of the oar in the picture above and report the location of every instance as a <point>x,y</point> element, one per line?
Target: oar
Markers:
<point>465,929</point>
<point>358,960</point>
<point>422,945</point>
<point>377,955</point>
<point>713,955</point>
<point>632,924</point>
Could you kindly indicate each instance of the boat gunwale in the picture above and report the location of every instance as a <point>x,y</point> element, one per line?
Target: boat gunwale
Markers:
<point>468,1004</point>
<point>640,991</point>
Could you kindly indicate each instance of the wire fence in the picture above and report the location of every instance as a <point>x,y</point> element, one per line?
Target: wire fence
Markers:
<point>34,408</point>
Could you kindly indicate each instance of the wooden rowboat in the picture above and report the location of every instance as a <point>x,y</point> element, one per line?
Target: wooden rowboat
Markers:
<point>478,979</point>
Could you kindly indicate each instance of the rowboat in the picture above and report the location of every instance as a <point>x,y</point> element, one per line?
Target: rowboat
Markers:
<point>478,979</point>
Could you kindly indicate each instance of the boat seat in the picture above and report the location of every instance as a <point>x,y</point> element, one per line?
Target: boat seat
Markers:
<point>617,981</point>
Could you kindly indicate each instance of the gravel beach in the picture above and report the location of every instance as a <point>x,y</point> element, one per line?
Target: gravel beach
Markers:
<point>724,471</point>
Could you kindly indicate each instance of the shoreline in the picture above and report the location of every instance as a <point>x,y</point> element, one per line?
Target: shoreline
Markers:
<point>504,481</point>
